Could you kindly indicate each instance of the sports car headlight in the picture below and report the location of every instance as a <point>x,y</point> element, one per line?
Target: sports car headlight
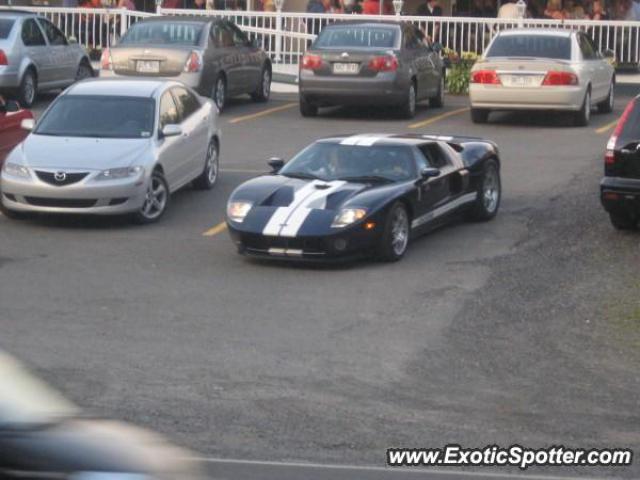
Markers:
<point>236,211</point>
<point>118,173</point>
<point>347,216</point>
<point>16,170</point>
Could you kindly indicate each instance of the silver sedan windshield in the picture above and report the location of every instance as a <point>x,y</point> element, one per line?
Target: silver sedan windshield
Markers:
<point>99,116</point>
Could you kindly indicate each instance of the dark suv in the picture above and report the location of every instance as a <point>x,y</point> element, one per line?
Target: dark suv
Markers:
<point>620,187</point>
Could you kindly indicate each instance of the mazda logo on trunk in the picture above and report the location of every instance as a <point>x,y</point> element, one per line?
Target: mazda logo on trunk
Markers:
<point>60,176</point>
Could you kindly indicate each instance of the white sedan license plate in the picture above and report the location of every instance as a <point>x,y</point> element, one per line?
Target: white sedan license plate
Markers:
<point>148,66</point>
<point>522,80</point>
<point>346,68</point>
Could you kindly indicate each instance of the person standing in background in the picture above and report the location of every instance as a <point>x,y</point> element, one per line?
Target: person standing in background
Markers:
<point>430,8</point>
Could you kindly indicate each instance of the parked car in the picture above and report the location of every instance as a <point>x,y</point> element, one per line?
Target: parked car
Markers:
<point>372,63</point>
<point>557,69</point>
<point>110,147</point>
<point>212,56</point>
<point>620,187</point>
<point>36,56</point>
<point>43,435</point>
<point>350,196</point>
<point>11,131</point>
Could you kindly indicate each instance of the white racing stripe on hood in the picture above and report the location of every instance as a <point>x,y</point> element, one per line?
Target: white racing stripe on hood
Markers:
<point>317,200</point>
<point>286,221</point>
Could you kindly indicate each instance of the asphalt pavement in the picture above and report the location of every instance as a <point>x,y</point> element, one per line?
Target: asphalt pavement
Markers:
<point>520,330</point>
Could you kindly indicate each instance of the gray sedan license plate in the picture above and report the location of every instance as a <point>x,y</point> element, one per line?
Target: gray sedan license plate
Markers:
<point>148,66</point>
<point>346,68</point>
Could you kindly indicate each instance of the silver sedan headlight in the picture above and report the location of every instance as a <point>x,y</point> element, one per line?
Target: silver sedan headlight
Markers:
<point>119,173</point>
<point>237,211</point>
<point>15,170</point>
<point>347,216</point>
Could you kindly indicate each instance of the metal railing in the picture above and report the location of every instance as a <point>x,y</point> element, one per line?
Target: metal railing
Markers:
<point>286,35</point>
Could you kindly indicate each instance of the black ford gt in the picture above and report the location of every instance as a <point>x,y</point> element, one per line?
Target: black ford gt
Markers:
<point>349,196</point>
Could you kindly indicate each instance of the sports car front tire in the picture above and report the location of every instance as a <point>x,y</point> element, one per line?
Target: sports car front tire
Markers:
<point>395,238</point>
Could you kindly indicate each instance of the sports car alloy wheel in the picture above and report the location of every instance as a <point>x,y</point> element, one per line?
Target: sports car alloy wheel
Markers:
<point>399,231</point>
<point>490,190</point>
<point>156,199</point>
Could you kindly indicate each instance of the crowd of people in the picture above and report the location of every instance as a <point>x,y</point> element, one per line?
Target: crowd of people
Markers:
<point>551,9</point>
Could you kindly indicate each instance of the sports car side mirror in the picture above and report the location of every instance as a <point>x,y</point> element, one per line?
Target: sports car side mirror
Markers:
<point>27,124</point>
<point>429,172</point>
<point>276,163</point>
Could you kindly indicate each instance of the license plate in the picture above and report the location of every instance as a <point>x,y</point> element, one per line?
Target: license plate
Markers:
<point>522,80</point>
<point>346,68</point>
<point>148,66</point>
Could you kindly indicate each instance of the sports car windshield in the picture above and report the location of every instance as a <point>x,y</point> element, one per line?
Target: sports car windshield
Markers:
<point>335,161</point>
<point>99,116</point>
<point>357,37</point>
<point>163,33</point>
<point>536,46</point>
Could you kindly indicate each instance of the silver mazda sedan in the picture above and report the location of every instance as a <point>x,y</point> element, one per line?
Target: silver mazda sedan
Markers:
<point>113,147</point>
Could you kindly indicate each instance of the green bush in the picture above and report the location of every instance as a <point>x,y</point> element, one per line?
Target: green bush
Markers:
<point>459,71</point>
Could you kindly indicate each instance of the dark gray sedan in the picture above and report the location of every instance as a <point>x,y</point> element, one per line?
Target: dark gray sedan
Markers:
<point>381,63</point>
<point>212,56</point>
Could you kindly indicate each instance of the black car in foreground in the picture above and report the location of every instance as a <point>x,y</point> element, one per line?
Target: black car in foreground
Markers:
<point>348,196</point>
<point>44,436</point>
<point>371,63</point>
<point>620,187</point>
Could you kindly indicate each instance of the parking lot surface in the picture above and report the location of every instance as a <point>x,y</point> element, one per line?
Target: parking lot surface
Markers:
<point>519,330</point>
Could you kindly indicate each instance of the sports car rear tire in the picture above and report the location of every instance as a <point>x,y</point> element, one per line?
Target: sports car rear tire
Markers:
<point>623,221</point>
<point>307,109</point>
<point>263,91</point>
<point>395,238</point>
<point>489,193</point>
<point>479,115</point>
<point>219,93</point>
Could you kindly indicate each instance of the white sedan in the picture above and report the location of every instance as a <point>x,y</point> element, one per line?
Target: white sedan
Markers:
<point>542,70</point>
<point>112,147</point>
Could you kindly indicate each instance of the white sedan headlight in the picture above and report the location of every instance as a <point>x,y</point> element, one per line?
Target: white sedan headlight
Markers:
<point>119,173</point>
<point>16,170</point>
<point>347,216</point>
<point>236,211</point>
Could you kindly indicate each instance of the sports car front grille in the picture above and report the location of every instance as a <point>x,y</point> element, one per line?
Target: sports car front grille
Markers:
<point>262,242</point>
<point>61,202</point>
<point>63,180</point>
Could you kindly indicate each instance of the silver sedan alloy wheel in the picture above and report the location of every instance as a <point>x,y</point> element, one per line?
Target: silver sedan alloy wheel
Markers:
<point>155,200</point>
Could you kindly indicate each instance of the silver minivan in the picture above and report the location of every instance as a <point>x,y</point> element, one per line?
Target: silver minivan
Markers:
<point>35,56</point>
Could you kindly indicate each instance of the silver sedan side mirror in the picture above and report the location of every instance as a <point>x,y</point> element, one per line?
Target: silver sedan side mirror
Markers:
<point>171,130</point>
<point>27,124</point>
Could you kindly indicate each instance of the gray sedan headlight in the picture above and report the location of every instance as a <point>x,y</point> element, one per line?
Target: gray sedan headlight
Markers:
<point>118,173</point>
<point>347,216</point>
<point>237,211</point>
<point>16,170</point>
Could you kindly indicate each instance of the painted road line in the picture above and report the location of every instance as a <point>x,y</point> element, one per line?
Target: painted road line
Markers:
<point>607,127</point>
<point>437,118</point>
<point>262,113</point>
<point>221,227</point>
